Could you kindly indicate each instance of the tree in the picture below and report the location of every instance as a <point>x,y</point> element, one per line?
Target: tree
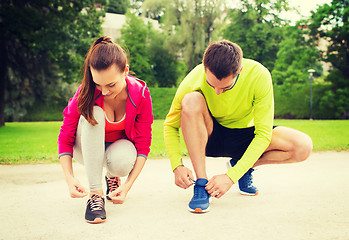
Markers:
<point>136,7</point>
<point>263,11</point>
<point>118,6</point>
<point>154,9</point>
<point>295,57</point>
<point>42,42</point>
<point>189,25</point>
<point>149,59</point>
<point>164,62</point>
<point>211,14</point>
<point>135,36</point>
<point>192,33</point>
<point>330,22</point>
<point>257,28</point>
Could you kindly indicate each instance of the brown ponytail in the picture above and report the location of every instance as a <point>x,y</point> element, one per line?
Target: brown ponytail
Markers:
<point>102,54</point>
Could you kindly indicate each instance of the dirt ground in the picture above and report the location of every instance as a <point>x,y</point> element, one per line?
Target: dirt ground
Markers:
<point>308,200</point>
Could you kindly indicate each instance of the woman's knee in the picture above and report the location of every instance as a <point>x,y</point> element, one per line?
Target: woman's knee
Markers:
<point>121,157</point>
<point>98,114</point>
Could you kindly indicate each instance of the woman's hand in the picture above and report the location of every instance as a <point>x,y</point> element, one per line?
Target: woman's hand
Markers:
<point>76,190</point>
<point>118,196</point>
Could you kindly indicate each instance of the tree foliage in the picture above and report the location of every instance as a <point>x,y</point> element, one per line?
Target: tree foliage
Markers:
<point>265,11</point>
<point>154,9</point>
<point>165,64</point>
<point>135,36</point>
<point>257,28</point>
<point>136,6</point>
<point>118,6</point>
<point>42,42</point>
<point>330,22</point>
<point>295,57</point>
<point>189,25</point>
<point>149,59</point>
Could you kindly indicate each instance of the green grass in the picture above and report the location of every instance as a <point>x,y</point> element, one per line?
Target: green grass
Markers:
<point>327,135</point>
<point>36,142</point>
<point>162,100</point>
<point>29,142</point>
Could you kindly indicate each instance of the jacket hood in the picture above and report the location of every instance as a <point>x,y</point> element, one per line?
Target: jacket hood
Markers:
<point>135,89</point>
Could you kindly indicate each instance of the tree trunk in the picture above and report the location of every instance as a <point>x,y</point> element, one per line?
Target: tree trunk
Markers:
<point>3,76</point>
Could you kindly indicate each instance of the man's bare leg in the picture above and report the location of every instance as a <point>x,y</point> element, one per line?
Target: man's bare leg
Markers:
<point>287,146</point>
<point>197,126</point>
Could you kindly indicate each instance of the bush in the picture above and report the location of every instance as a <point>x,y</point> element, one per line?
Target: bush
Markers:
<point>161,97</point>
<point>294,102</point>
<point>290,102</point>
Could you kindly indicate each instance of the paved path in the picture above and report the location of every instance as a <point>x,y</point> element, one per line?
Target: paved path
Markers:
<point>308,200</point>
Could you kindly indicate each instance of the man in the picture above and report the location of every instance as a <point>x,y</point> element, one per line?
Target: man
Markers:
<point>225,108</point>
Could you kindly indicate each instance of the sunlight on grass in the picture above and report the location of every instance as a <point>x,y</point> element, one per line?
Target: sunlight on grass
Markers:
<point>36,142</point>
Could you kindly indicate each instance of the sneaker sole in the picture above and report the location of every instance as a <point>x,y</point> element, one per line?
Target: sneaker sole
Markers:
<point>248,194</point>
<point>199,210</point>
<point>97,220</point>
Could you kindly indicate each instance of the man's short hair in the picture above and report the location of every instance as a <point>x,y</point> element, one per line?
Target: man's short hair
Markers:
<point>223,58</point>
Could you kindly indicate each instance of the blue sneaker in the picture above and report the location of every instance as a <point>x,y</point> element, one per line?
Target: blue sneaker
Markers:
<point>245,182</point>
<point>200,202</point>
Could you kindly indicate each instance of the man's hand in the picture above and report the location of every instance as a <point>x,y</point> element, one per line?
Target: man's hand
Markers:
<point>218,185</point>
<point>183,177</point>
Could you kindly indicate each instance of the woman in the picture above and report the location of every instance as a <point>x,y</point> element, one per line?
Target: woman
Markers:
<point>106,123</point>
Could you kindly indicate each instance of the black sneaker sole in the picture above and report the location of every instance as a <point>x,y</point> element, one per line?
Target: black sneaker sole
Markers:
<point>96,220</point>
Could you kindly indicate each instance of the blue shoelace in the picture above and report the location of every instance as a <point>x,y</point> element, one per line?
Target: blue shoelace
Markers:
<point>199,191</point>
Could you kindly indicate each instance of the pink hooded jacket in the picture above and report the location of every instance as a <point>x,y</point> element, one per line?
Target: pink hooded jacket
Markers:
<point>139,117</point>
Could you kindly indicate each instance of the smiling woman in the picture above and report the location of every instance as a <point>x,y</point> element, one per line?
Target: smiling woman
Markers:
<point>106,123</point>
<point>110,81</point>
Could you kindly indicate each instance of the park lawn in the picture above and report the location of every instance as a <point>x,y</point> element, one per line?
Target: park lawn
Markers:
<point>36,142</point>
<point>327,135</point>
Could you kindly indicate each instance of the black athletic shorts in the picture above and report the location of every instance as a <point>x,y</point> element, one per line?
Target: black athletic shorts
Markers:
<point>228,142</point>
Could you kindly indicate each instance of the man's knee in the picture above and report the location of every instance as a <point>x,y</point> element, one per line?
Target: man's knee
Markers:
<point>192,103</point>
<point>302,147</point>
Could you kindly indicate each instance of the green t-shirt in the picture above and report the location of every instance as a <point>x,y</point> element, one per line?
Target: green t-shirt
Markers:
<point>249,103</point>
